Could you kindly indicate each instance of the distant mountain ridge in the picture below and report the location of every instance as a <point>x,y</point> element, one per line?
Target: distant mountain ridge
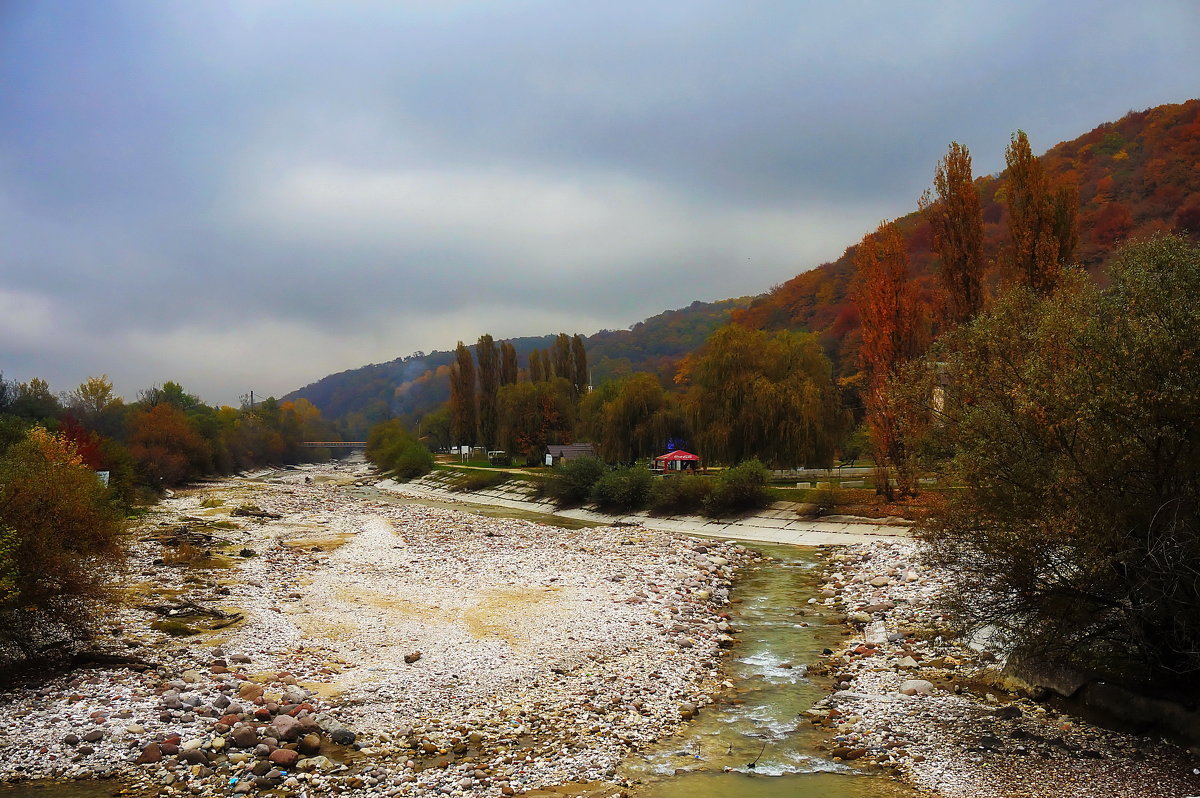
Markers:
<point>416,384</point>
<point>1136,176</point>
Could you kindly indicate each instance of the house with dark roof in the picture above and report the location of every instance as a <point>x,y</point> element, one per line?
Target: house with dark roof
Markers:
<point>561,453</point>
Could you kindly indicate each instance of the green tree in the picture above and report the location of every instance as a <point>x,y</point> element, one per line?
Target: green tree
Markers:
<point>33,400</point>
<point>1072,421</point>
<point>435,429</point>
<point>508,363</point>
<point>579,365</point>
<point>534,414</point>
<point>463,418</point>
<point>394,450</point>
<point>561,357</point>
<point>489,383</point>
<point>766,395</point>
<point>631,418</point>
<point>536,370</point>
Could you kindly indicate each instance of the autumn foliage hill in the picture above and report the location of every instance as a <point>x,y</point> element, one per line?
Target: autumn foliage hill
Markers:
<point>1136,176</point>
<point>415,385</point>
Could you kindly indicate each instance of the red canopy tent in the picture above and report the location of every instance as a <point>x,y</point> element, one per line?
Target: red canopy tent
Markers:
<point>677,460</point>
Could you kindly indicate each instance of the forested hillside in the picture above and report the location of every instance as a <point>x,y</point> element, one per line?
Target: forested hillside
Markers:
<point>1135,176</point>
<point>417,384</point>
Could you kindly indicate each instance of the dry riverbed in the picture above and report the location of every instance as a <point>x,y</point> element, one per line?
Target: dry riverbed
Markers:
<point>936,712</point>
<point>299,632</point>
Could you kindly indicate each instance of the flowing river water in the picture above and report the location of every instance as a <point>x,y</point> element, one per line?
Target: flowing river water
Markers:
<point>762,721</point>
<point>755,741</point>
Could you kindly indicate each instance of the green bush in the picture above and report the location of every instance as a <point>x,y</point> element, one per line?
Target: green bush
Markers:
<point>1072,419</point>
<point>468,481</point>
<point>393,450</point>
<point>680,495</point>
<point>570,483</point>
<point>739,489</point>
<point>623,489</point>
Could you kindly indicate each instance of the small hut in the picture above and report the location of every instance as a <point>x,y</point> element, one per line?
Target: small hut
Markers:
<point>676,462</point>
<point>556,454</point>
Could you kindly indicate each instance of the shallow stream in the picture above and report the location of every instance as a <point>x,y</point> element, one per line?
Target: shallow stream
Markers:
<point>762,722</point>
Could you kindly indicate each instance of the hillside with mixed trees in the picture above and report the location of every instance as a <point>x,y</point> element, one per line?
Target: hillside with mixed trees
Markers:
<point>1123,180</point>
<point>412,386</point>
<point>1134,177</point>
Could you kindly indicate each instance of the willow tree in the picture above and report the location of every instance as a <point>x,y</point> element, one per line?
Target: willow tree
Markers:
<point>533,414</point>
<point>463,419</point>
<point>893,332</point>
<point>489,383</point>
<point>631,418</point>
<point>762,394</point>
<point>957,223</point>
<point>1042,218</point>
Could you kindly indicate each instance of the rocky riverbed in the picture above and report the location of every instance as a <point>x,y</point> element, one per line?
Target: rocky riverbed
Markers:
<point>912,698</point>
<point>300,631</point>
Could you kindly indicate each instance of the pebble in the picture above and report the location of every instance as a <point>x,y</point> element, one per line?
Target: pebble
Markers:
<point>558,683</point>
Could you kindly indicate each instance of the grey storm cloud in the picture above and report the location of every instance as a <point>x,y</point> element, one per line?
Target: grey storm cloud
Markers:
<point>254,194</point>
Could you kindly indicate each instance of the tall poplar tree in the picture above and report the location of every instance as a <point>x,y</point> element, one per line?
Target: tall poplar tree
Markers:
<point>957,223</point>
<point>535,366</point>
<point>508,363</point>
<point>579,365</point>
<point>1042,218</point>
<point>892,334</point>
<point>561,353</point>
<point>489,383</point>
<point>463,421</point>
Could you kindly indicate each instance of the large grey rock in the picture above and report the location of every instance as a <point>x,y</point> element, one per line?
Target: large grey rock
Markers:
<point>917,687</point>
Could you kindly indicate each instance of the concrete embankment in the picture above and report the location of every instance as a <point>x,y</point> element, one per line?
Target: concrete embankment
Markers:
<point>783,522</point>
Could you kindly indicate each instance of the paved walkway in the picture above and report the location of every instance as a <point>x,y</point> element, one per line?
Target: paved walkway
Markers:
<point>775,525</point>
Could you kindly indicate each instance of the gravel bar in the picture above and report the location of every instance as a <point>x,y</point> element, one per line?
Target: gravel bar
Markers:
<point>379,648</point>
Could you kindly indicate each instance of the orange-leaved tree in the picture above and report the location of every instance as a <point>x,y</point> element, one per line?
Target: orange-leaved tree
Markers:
<point>60,536</point>
<point>957,223</point>
<point>1042,218</point>
<point>894,330</point>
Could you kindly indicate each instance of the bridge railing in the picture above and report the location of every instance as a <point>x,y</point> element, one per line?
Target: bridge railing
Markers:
<point>335,444</point>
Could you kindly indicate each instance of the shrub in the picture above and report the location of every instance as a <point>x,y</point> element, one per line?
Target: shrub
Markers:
<point>502,459</point>
<point>468,481</point>
<point>627,488</point>
<point>60,537</point>
<point>393,450</point>
<point>739,489</point>
<point>1072,418</point>
<point>570,483</point>
<point>680,495</point>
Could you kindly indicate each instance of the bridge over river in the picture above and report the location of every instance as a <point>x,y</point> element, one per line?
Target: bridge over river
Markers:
<point>334,444</point>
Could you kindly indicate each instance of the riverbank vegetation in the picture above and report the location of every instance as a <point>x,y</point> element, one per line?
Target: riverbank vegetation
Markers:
<point>74,466</point>
<point>1068,416</point>
<point>397,453</point>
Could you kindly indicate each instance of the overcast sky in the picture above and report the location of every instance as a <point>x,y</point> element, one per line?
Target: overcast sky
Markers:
<point>251,195</point>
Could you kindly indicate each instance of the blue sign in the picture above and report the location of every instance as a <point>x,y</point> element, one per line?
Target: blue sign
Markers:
<point>675,444</point>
